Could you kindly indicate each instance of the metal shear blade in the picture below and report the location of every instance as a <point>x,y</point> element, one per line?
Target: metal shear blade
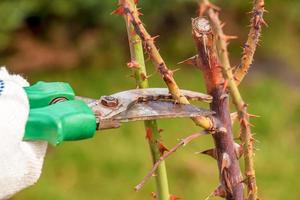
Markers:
<point>159,109</point>
<point>143,104</point>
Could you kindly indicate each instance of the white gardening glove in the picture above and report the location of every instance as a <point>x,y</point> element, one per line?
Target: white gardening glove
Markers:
<point>20,162</point>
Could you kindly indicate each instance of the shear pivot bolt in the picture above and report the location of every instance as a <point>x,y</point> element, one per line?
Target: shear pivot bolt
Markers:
<point>109,101</point>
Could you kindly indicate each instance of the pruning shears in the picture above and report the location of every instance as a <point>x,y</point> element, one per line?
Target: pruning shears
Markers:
<point>57,115</point>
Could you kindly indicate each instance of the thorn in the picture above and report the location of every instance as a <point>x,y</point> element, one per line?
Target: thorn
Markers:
<point>173,71</point>
<point>233,117</point>
<point>218,192</point>
<point>145,77</point>
<point>228,37</point>
<point>249,12</point>
<point>184,142</point>
<point>241,120</point>
<point>264,22</point>
<point>234,68</point>
<point>118,11</point>
<point>256,140</point>
<point>190,61</point>
<point>138,12</point>
<point>238,149</point>
<point>211,152</point>
<point>244,122</point>
<point>153,195</point>
<point>253,115</point>
<point>149,134</point>
<point>153,38</point>
<point>225,162</point>
<point>162,148</point>
<point>225,86</point>
<point>173,197</point>
<point>133,64</point>
<point>223,24</point>
<point>258,21</point>
<point>209,196</point>
<point>256,149</point>
<point>252,125</point>
<point>160,130</point>
<point>244,180</point>
<point>140,23</point>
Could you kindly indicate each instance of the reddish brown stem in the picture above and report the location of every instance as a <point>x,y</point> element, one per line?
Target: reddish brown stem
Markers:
<point>208,62</point>
<point>132,16</point>
<point>241,106</point>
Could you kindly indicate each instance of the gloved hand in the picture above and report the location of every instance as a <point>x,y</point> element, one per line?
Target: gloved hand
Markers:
<point>20,162</point>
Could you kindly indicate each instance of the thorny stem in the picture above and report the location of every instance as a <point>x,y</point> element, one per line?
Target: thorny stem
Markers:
<point>152,133</point>
<point>246,135</point>
<point>182,142</point>
<point>161,179</point>
<point>208,62</point>
<point>132,16</point>
<point>253,38</point>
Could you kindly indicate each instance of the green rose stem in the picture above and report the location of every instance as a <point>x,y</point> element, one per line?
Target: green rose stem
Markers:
<point>137,64</point>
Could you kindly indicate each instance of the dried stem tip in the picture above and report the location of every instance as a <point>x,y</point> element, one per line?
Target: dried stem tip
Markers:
<point>201,25</point>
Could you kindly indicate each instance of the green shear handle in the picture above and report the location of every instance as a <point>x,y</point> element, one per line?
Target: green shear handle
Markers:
<point>54,121</point>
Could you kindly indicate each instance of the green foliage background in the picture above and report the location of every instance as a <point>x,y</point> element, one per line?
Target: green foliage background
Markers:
<point>109,165</point>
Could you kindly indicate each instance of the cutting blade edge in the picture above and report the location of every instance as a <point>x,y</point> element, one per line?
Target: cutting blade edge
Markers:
<point>160,109</point>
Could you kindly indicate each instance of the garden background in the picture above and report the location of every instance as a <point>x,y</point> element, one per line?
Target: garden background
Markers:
<point>80,42</point>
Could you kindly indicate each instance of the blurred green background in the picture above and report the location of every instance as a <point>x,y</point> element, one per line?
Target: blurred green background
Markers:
<point>79,42</point>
